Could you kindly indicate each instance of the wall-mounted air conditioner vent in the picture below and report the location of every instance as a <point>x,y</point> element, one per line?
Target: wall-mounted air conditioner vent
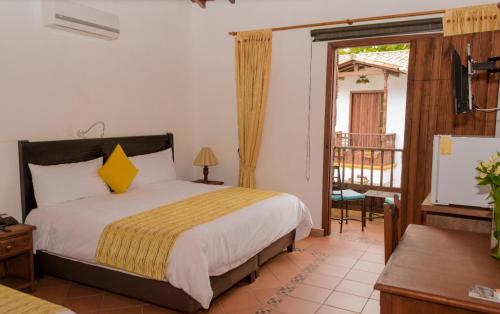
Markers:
<point>71,16</point>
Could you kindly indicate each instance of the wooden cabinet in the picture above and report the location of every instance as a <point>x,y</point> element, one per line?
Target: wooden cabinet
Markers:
<point>466,218</point>
<point>16,257</point>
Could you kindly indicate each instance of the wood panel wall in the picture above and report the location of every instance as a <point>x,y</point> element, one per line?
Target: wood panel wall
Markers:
<point>430,108</point>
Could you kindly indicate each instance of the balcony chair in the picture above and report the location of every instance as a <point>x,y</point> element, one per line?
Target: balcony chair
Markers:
<point>344,196</point>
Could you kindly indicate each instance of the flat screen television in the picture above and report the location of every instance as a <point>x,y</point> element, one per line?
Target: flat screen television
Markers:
<point>460,79</point>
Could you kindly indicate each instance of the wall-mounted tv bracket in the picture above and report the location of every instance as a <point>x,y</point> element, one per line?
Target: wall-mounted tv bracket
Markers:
<point>473,67</point>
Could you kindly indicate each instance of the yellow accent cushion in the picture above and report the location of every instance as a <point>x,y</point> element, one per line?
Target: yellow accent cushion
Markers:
<point>118,171</point>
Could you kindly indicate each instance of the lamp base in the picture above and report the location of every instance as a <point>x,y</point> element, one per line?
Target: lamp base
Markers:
<point>205,173</point>
<point>210,182</point>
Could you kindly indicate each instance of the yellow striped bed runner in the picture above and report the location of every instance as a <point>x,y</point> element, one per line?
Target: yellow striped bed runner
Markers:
<point>13,301</point>
<point>142,243</point>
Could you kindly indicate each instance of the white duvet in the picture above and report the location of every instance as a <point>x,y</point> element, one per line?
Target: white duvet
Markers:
<point>72,229</point>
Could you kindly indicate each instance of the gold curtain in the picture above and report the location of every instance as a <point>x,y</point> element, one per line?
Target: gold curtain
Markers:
<point>253,65</point>
<point>466,20</point>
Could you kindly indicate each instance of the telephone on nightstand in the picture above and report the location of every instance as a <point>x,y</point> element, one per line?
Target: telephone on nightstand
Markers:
<point>6,221</point>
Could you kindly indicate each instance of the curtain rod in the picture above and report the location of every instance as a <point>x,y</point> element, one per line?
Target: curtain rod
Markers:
<point>352,21</point>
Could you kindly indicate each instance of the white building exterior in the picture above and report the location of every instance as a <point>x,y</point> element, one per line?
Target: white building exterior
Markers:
<point>396,102</point>
<point>395,117</point>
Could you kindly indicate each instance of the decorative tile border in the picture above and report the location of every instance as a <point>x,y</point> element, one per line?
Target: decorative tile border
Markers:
<point>288,288</point>
<point>319,258</point>
<point>354,238</point>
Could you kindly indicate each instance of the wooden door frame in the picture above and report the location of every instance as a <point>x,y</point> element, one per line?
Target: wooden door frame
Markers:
<point>330,102</point>
<point>364,92</point>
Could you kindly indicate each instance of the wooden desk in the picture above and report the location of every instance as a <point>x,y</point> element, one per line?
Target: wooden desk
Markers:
<point>474,219</point>
<point>432,269</point>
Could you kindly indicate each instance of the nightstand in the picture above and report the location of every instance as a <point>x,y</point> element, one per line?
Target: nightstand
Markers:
<point>209,182</point>
<point>16,257</point>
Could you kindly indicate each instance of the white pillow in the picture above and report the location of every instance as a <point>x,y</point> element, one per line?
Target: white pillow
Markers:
<point>65,182</point>
<point>154,167</point>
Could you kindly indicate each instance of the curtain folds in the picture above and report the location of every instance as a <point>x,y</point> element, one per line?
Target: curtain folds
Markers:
<point>253,65</point>
<point>475,19</point>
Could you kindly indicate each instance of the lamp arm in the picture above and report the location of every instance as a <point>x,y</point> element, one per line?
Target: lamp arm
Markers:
<point>82,133</point>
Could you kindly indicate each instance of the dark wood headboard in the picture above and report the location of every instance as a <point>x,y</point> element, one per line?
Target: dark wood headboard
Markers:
<point>69,151</point>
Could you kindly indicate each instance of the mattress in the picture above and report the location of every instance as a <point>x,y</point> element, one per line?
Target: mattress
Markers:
<point>72,229</point>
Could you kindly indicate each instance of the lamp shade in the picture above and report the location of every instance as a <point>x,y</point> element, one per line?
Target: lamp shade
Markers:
<point>205,157</point>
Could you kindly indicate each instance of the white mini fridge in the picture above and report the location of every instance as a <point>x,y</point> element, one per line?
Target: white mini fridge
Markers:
<point>454,169</point>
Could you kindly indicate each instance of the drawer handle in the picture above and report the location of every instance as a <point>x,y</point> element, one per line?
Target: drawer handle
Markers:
<point>8,248</point>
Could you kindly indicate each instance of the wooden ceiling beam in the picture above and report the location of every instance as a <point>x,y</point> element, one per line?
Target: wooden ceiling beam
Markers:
<point>367,71</point>
<point>360,73</point>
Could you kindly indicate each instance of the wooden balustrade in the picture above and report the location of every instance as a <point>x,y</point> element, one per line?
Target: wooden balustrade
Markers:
<point>378,140</point>
<point>365,168</point>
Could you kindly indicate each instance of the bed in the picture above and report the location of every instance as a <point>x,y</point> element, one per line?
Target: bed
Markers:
<point>67,233</point>
<point>13,301</point>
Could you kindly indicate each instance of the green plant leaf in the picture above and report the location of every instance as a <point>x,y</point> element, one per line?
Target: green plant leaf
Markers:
<point>356,50</point>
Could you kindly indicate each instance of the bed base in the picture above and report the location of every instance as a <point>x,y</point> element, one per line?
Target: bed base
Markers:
<point>155,291</point>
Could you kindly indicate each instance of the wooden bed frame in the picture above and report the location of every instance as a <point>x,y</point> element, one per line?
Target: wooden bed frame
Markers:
<point>154,291</point>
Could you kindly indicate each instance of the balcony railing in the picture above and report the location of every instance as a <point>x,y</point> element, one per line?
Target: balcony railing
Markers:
<point>368,161</point>
<point>366,140</point>
<point>377,140</point>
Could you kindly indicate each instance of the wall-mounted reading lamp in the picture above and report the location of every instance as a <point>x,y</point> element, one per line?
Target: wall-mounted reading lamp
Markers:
<point>83,134</point>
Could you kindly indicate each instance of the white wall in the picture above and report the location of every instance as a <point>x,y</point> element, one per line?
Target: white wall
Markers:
<point>54,82</point>
<point>282,160</point>
<point>171,70</point>
<point>498,125</point>
<point>396,102</point>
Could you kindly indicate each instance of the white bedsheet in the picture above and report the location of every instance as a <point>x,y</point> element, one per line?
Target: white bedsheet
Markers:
<point>72,229</point>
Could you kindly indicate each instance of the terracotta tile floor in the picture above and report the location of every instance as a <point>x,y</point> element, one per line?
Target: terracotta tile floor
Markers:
<point>331,275</point>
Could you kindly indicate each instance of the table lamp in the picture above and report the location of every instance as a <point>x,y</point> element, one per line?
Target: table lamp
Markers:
<point>204,159</point>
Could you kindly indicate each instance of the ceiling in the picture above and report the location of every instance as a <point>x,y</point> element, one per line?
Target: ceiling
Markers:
<point>202,3</point>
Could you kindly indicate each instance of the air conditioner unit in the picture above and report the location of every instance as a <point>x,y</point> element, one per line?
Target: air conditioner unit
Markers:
<point>72,16</point>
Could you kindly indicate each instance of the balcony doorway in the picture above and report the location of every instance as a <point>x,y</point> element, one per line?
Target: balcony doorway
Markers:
<point>368,92</point>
